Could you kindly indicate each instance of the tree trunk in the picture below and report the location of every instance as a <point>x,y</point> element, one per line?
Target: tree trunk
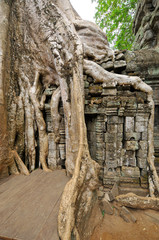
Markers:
<point>50,45</point>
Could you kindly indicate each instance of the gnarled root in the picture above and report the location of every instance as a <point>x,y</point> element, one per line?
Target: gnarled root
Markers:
<point>43,137</point>
<point>79,189</point>
<point>133,201</point>
<point>55,114</point>
<point>17,164</point>
<point>21,166</point>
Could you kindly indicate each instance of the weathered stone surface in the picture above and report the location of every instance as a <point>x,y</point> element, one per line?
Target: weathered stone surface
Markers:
<point>127,215</point>
<point>112,128</point>
<point>115,191</point>
<point>129,124</point>
<point>106,197</point>
<point>141,126</point>
<point>142,162</point>
<point>108,65</point>
<point>110,147</point>
<point>110,138</point>
<point>112,119</point>
<point>142,117</point>
<point>121,126</point>
<point>142,152</point>
<point>120,56</point>
<point>109,91</point>
<point>100,194</point>
<point>106,207</point>
<point>129,159</point>
<point>131,145</point>
<point>133,136</point>
<point>95,90</point>
<point>119,64</point>
<point>130,171</point>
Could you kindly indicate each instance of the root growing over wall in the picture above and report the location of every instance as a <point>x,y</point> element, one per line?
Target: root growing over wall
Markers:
<point>52,46</point>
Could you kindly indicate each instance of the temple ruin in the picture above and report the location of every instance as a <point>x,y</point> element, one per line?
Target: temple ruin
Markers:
<point>68,101</point>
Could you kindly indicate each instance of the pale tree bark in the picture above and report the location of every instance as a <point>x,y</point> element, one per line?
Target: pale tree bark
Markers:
<point>52,46</point>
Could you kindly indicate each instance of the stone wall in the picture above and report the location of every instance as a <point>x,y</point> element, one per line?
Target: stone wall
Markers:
<point>146,25</point>
<point>117,128</point>
<point>117,124</point>
<point>145,61</point>
<point>145,64</point>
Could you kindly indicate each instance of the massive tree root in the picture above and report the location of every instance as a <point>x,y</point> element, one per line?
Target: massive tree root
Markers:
<point>132,201</point>
<point>51,44</point>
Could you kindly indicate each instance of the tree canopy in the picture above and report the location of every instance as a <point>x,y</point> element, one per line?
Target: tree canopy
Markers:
<point>116,18</point>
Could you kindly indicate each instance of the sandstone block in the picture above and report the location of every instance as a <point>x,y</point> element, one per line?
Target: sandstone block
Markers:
<point>130,158</point>
<point>111,164</point>
<point>111,111</point>
<point>110,155</point>
<point>131,145</point>
<point>113,104</point>
<point>142,118</point>
<point>108,65</point>
<point>109,85</point>
<point>100,194</point>
<point>120,56</point>
<point>62,151</point>
<point>110,138</point>
<point>142,152</point>
<point>141,162</point>
<point>119,64</point>
<point>140,126</point>
<point>127,215</point>
<point>95,90</point>
<point>106,207</point>
<point>99,137</point>
<point>110,147</point>
<point>106,197</point>
<point>109,91</point>
<point>115,190</point>
<point>130,171</point>
<point>141,97</point>
<point>121,111</point>
<point>112,119</point>
<point>112,128</point>
<point>129,124</point>
<point>120,128</point>
<point>132,136</point>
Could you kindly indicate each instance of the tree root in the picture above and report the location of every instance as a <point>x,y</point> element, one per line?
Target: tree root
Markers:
<point>77,185</point>
<point>55,114</point>
<point>133,201</point>
<point>30,153</point>
<point>43,137</point>
<point>17,165</point>
<point>21,166</point>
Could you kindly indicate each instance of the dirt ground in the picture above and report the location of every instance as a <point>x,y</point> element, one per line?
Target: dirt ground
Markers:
<point>113,227</point>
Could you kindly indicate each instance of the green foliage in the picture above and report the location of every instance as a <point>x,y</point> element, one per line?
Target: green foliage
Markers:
<point>116,18</point>
<point>103,213</point>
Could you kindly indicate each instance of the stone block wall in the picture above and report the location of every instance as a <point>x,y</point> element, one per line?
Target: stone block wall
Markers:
<point>145,64</point>
<point>117,128</point>
<point>57,153</point>
<point>146,24</point>
<point>145,61</point>
<point>117,124</point>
